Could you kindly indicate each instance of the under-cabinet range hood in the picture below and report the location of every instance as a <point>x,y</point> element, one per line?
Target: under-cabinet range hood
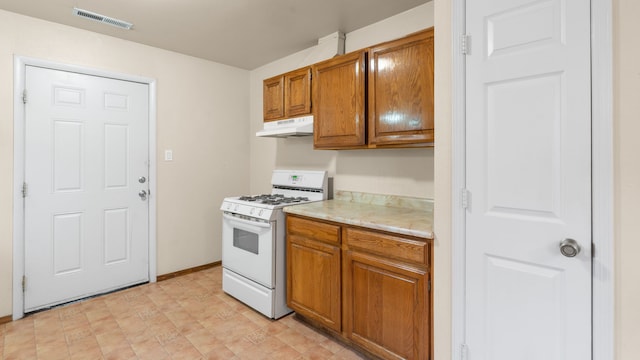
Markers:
<point>300,126</point>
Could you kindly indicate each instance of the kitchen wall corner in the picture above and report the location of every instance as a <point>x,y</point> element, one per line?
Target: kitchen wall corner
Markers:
<point>405,172</point>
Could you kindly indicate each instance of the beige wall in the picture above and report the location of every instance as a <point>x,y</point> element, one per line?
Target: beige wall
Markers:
<point>442,210</point>
<point>626,80</point>
<point>406,172</point>
<point>203,116</point>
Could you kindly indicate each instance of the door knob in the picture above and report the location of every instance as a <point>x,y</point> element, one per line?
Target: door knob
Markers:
<point>142,179</point>
<point>569,247</point>
<point>143,194</point>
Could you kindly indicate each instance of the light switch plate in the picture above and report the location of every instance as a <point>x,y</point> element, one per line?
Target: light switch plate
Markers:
<point>168,155</point>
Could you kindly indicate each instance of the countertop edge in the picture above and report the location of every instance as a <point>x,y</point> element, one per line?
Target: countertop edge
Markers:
<point>329,215</point>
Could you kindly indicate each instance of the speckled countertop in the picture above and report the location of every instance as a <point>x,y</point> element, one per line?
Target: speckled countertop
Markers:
<point>402,215</point>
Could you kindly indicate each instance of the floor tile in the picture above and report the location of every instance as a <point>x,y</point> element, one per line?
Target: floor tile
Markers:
<point>187,317</point>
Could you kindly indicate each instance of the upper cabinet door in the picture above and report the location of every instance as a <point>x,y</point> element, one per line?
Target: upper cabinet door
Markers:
<point>400,91</point>
<point>273,98</point>
<point>297,92</point>
<point>339,102</point>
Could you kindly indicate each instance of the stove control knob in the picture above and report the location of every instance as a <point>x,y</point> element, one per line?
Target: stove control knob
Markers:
<point>228,206</point>
<point>236,208</point>
<point>260,213</point>
<point>251,211</point>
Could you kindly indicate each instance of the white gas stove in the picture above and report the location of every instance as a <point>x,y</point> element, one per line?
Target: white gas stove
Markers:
<point>288,187</point>
<point>253,239</point>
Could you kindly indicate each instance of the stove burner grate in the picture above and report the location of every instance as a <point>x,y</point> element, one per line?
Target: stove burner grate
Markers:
<point>273,199</point>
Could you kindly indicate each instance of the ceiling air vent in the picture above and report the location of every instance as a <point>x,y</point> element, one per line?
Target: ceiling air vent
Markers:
<point>103,19</point>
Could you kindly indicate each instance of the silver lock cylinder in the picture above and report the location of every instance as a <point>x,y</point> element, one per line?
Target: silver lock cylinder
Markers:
<point>569,248</point>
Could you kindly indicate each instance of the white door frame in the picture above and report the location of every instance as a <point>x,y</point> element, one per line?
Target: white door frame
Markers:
<point>19,65</point>
<point>602,181</point>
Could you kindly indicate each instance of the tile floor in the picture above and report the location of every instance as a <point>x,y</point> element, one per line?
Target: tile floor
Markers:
<point>187,317</point>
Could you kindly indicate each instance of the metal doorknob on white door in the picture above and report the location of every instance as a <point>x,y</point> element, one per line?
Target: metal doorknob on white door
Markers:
<point>143,194</point>
<point>569,247</point>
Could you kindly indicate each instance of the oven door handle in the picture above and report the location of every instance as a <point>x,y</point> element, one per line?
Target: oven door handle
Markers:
<point>246,222</point>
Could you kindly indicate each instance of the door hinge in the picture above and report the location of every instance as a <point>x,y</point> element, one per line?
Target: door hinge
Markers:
<point>25,189</point>
<point>464,198</point>
<point>24,283</point>
<point>465,41</point>
<point>429,285</point>
<point>463,351</point>
<point>24,96</point>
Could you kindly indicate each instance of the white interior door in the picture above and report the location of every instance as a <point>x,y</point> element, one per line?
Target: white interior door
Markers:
<point>528,174</point>
<point>86,146</point>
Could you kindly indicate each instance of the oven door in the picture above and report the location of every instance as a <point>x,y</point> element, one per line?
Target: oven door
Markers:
<point>248,248</point>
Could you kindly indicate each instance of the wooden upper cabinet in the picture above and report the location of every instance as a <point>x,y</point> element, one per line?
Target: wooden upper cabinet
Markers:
<point>339,102</point>
<point>273,98</point>
<point>400,91</point>
<point>287,95</point>
<point>297,92</point>
<point>393,107</point>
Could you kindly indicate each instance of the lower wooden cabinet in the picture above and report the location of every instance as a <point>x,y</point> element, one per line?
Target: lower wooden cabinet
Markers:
<point>371,288</point>
<point>313,271</point>
<point>386,306</point>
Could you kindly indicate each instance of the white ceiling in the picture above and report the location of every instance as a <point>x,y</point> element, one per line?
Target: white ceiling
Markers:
<point>242,33</point>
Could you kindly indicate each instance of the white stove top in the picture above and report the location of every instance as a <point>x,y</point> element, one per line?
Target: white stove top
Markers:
<point>289,187</point>
<point>274,199</point>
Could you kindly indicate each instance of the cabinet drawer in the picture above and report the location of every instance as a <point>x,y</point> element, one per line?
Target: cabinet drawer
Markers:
<point>397,247</point>
<point>313,229</point>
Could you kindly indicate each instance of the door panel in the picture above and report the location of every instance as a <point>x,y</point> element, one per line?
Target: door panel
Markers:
<point>515,126</point>
<point>67,155</point>
<point>67,244</point>
<point>116,237</point>
<point>86,143</point>
<point>536,306</point>
<point>529,177</point>
<point>116,155</point>
<point>524,27</point>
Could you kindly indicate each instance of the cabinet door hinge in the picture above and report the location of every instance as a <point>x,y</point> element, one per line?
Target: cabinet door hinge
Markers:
<point>24,283</point>
<point>464,198</point>
<point>463,351</point>
<point>429,285</point>
<point>465,41</point>
<point>24,96</point>
<point>25,189</point>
